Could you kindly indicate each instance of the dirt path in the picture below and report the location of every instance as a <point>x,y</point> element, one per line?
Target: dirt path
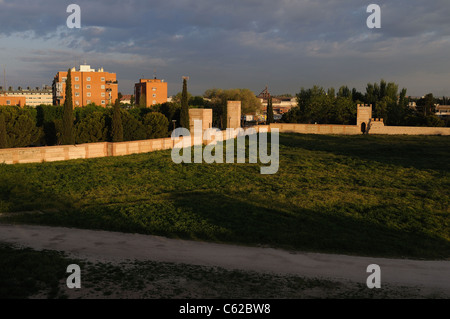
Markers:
<point>115,247</point>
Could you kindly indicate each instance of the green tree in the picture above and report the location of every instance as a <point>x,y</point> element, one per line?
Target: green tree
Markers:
<point>179,96</point>
<point>67,136</point>
<point>269,111</point>
<point>314,105</point>
<point>184,115</point>
<point>382,96</point>
<point>171,111</point>
<point>398,113</point>
<point>358,97</point>
<point>344,91</point>
<point>117,128</point>
<point>343,111</point>
<point>91,128</point>
<point>427,105</point>
<point>249,102</point>
<point>21,127</point>
<point>132,100</point>
<point>156,125</point>
<point>3,134</point>
<point>133,129</point>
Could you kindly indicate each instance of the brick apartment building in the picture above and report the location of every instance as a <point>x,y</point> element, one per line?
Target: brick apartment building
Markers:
<point>12,100</point>
<point>154,90</point>
<point>88,86</point>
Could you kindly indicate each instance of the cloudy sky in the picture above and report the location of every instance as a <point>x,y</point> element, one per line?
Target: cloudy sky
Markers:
<point>285,44</point>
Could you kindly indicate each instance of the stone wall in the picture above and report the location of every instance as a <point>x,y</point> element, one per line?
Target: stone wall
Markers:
<point>317,128</point>
<point>81,151</point>
<point>376,126</point>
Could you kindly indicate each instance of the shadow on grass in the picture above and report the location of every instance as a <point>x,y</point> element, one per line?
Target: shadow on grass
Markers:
<point>421,152</point>
<point>209,216</point>
<point>18,193</point>
<point>302,229</point>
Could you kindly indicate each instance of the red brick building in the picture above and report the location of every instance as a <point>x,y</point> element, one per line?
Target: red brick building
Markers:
<point>13,100</point>
<point>88,86</point>
<point>154,90</point>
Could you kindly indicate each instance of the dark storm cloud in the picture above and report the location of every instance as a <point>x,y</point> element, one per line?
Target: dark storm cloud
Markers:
<point>247,42</point>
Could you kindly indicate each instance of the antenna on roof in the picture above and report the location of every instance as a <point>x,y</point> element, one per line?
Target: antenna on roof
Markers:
<point>154,73</point>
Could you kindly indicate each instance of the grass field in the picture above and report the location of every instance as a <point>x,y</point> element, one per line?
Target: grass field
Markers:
<point>364,195</point>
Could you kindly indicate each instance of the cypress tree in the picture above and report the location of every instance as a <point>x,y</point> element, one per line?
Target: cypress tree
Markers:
<point>117,127</point>
<point>67,136</point>
<point>3,136</point>
<point>184,116</point>
<point>269,111</point>
<point>142,101</point>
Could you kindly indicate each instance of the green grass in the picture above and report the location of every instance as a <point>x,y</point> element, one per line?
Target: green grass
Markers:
<point>364,195</point>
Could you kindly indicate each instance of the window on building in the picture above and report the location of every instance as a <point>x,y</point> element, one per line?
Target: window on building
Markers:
<point>88,87</point>
<point>77,94</point>
<point>103,94</point>
<point>8,102</point>
<point>64,79</point>
<point>88,78</point>
<point>88,101</point>
<point>77,103</point>
<point>77,86</point>
<point>154,95</point>
<point>88,94</point>
<point>103,101</point>
<point>77,78</point>
<point>154,102</point>
<point>154,89</point>
<point>102,79</point>
<point>103,87</point>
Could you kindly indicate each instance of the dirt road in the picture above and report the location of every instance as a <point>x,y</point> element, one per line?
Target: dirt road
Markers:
<point>115,247</point>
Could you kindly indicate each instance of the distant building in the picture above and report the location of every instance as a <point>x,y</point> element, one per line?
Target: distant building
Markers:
<point>12,100</point>
<point>280,104</point>
<point>33,97</point>
<point>443,110</point>
<point>126,99</point>
<point>88,86</point>
<point>154,90</point>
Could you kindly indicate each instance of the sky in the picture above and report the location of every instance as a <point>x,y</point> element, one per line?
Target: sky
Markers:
<point>284,44</point>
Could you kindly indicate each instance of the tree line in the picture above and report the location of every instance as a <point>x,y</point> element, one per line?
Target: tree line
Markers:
<point>44,125</point>
<point>317,105</point>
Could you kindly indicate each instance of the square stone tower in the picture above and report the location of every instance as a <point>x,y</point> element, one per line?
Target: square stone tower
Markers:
<point>233,114</point>
<point>363,116</point>
<point>205,115</point>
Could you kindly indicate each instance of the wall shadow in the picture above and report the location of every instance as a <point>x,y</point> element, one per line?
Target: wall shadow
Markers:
<point>421,152</point>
